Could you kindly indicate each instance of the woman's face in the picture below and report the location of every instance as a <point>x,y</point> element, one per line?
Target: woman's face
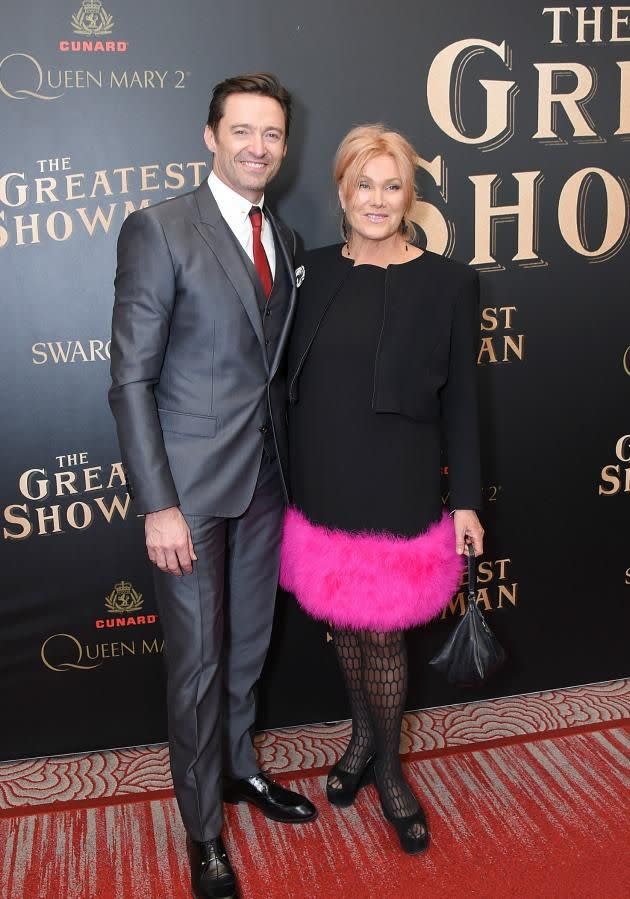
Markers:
<point>374,210</point>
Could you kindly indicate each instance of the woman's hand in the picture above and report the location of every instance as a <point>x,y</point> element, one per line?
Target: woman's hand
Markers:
<point>468,530</point>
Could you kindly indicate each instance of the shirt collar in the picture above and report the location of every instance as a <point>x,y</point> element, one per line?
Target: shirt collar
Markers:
<point>231,204</point>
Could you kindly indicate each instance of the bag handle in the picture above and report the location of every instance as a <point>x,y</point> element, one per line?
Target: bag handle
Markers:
<point>472,572</point>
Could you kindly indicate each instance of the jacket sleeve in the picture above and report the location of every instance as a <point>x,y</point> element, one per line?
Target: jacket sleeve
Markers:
<point>459,400</point>
<point>144,300</point>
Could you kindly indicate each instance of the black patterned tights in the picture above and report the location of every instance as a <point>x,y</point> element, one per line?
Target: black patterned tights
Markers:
<point>374,666</point>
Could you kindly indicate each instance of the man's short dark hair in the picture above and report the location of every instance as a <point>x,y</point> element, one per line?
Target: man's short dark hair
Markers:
<point>262,83</point>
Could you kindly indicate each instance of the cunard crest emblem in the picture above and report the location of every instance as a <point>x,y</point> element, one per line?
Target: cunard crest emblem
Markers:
<point>123,599</point>
<point>91,18</point>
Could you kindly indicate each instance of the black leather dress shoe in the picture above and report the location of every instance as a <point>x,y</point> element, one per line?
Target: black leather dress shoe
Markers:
<point>273,800</point>
<point>211,874</point>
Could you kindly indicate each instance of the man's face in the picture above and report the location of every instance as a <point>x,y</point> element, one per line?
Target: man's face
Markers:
<point>249,143</point>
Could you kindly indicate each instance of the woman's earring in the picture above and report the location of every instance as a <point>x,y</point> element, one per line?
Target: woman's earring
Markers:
<point>404,228</point>
<point>346,233</point>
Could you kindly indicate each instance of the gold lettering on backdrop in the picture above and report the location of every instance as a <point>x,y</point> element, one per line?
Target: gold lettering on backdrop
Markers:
<point>44,188</point>
<point>59,225</point>
<point>116,507</point>
<point>149,78</point>
<point>595,23</point>
<point>101,182</point>
<point>97,218</point>
<point>565,89</point>
<point>149,175</point>
<point>445,80</point>
<point>439,231</point>
<point>31,228</point>
<point>488,213</point>
<point>507,593</point>
<point>174,170</point>
<point>495,590</point>
<point>28,483</point>
<point>17,198</point>
<point>615,478</point>
<point>64,482</point>
<point>622,448</point>
<point>56,184</point>
<point>557,13</point>
<point>573,102</point>
<point>69,351</point>
<point>618,20</point>
<point>43,517</point>
<point>11,517</point>
<point>588,26</point>
<point>624,98</point>
<point>572,213</point>
<point>69,651</point>
<point>23,77</point>
<point>116,474</point>
<point>77,480</point>
<point>65,652</point>
<point>500,347</point>
<point>12,75</point>
<point>154,647</point>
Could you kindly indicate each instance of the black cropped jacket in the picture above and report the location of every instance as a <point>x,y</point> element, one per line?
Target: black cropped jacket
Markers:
<point>426,361</point>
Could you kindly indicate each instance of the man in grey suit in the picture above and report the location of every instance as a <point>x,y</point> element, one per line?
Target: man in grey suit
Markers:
<point>205,294</point>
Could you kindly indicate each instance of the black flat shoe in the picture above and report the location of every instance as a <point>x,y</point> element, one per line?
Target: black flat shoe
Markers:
<point>273,800</point>
<point>345,795</point>
<point>211,873</point>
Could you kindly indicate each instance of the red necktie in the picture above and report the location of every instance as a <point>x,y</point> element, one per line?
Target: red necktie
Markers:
<point>260,257</point>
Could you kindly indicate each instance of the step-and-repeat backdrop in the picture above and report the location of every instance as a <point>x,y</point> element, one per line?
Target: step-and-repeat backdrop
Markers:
<point>521,117</point>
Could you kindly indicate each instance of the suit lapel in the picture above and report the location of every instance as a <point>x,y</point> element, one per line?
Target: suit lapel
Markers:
<point>284,258</point>
<point>222,243</point>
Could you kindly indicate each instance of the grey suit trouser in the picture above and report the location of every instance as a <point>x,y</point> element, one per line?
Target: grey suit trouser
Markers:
<point>217,626</point>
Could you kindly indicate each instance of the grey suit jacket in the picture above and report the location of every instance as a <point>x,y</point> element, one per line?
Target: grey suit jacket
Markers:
<point>191,382</point>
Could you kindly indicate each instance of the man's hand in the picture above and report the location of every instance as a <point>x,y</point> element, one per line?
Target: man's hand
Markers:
<point>468,530</point>
<point>169,543</point>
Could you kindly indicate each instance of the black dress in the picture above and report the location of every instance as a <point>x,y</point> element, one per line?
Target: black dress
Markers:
<point>349,468</point>
<point>367,543</point>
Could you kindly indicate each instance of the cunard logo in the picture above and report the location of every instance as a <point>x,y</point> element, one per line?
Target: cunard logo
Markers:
<point>93,23</point>
<point>122,603</point>
<point>123,598</point>
<point>92,19</point>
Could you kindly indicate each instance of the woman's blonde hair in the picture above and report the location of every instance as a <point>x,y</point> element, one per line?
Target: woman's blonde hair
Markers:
<point>363,144</point>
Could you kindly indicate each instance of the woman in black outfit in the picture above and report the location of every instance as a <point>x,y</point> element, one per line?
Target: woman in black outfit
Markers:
<point>382,367</point>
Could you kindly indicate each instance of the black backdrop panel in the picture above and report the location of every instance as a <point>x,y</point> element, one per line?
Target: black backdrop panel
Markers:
<point>102,108</point>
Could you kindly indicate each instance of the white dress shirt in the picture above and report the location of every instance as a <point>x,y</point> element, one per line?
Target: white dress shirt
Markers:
<point>235,210</point>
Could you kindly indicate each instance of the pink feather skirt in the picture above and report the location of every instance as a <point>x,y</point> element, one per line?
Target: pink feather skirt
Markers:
<point>368,581</point>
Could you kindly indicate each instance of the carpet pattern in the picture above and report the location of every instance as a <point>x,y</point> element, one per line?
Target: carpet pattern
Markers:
<point>532,818</point>
<point>26,785</point>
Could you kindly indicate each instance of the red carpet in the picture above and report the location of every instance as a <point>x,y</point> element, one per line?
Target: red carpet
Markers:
<point>527,816</point>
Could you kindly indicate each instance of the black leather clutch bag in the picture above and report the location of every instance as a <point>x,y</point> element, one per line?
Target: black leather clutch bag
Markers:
<point>472,653</point>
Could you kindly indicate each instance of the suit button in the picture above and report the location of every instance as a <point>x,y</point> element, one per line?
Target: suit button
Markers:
<point>267,342</point>
<point>263,429</point>
<point>267,313</point>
